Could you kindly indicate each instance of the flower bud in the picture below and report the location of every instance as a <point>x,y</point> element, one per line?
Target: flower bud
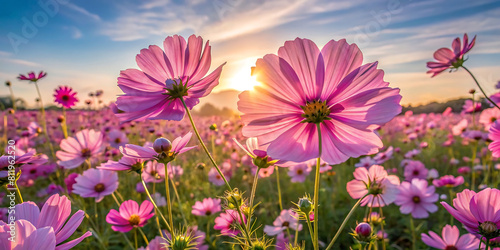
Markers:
<point>60,119</point>
<point>305,205</point>
<point>213,127</point>
<point>363,230</point>
<point>234,199</point>
<point>162,145</point>
<point>7,83</point>
<point>472,91</point>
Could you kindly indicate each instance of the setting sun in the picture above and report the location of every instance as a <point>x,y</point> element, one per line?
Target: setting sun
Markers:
<point>243,80</point>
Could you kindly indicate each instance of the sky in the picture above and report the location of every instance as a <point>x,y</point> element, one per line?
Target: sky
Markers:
<point>85,44</point>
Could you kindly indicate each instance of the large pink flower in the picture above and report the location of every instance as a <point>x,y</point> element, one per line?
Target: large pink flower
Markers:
<point>380,187</point>
<point>451,239</point>
<point>75,150</point>
<point>303,86</point>
<point>52,221</point>
<point>480,213</point>
<point>446,58</point>
<point>154,92</point>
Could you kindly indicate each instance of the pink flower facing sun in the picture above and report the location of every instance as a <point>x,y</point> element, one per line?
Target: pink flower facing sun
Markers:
<point>446,58</point>
<point>303,86</point>
<point>65,96</point>
<point>96,183</point>
<point>45,229</point>
<point>494,136</point>
<point>130,215</point>
<point>380,187</point>
<point>451,240</point>
<point>148,153</point>
<point>76,150</point>
<point>154,92</point>
<point>448,181</point>
<point>417,198</point>
<point>286,220</point>
<point>208,207</point>
<point>227,223</point>
<point>31,76</point>
<point>479,213</point>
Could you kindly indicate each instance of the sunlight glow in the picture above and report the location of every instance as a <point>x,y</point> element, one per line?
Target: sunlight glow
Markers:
<point>243,80</point>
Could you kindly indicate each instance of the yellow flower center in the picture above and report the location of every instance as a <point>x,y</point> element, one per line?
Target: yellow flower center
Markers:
<point>315,112</point>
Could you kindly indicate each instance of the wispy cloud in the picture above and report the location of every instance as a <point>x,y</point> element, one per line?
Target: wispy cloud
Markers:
<point>74,31</point>
<point>83,11</point>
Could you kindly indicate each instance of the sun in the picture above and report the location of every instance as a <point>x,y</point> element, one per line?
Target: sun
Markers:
<point>243,80</point>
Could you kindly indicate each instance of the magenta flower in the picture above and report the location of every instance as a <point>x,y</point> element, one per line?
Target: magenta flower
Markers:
<point>470,106</point>
<point>208,207</point>
<point>51,220</point>
<point>148,153</point>
<point>494,136</point>
<point>303,86</point>
<point>166,76</point>
<point>31,76</point>
<point>380,187</point>
<point>446,58</point>
<point>65,96</point>
<point>451,239</point>
<point>70,181</point>
<point>286,220</point>
<point>417,198</point>
<point>130,216</point>
<point>228,222</point>
<point>479,213</point>
<point>76,150</point>
<point>448,181</point>
<point>125,163</point>
<point>96,183</point>
<point>153,172</point>
<point>415,169</point>
<point>299,172</point>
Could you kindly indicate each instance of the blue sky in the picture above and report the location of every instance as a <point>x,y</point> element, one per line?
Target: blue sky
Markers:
<point>85,44</point>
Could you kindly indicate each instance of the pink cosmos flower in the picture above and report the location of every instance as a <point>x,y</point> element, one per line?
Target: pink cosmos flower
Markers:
<point>415,169</point>
<point>460,127</point>
<point>417,198</point>
<point>65,96</point>
<point>147,153</point>
<point>130,215</point>
<point>158,243</point>
<point>76,150</point>
<point>31,76</point>
<point>382,188</point>
<point>448,181</point>
<point>299,172</point>
<point>125,163</point>
<point>446,58</point>
<point>365,162</point>
<point>494,136</point>
<point>488,117</point>
<point>117,138</point>
<point>216,179</point>
<point>451,240</point>
<point>303,86</point>
<point>96,183</point>
<point>382,157</point>
<point>470,106</point>
<point>208,207</point>
<point>479,213</point>
<point>227,223</point>
<point>166,76</point>
<point>286,220</point>
<point>48,227</point>
<point>70,181</point>
<point>153,172</point>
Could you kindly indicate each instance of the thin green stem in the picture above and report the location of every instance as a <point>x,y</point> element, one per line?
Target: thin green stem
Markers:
<point>480,88</point>
<point>311,233</point>
<point>143,236</point>
<point>279,188</point>
<point>413,235</point>
<point>381,228</point>
<point>252,196</point>
<point>135,238</point>
<point>18,192</point>
<point>451,202</point>
<point>128,241</point>
<point>344,223</point>
<point>316,190</point>
<point>63,124</point>
<point>12,98</point>
<point>487,244</point>
<point>116,200</point>
<point>154,204</point>
<point>473,171</point>
<point>178,201</point>
<point>44,122</point>
<point>203,145</point>
<point>167,194</point>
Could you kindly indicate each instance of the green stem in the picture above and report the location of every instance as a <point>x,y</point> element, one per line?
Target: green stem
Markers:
<point>154,204</point>
<point>12,98</point>
<point>128,241</point>
<point>487,244</point>
<point>344,223</point>
<point>311,233</point>
<point>381,228</point>
<point>413,236</point>
<point>204,146</point>
<point>480,88</point>
<point>143,236</point>
<point>135,238</point>
<point>451,202</point>
<point>252,196</point>
<point>116,200</point>
<point>279,188</point>
<point>63,124</point>
<point>178,201</point>
<point>167,194</point>
<point>18,192</point>
<point>44,122</point>
<point>316,190</point>
<point>473,172</point>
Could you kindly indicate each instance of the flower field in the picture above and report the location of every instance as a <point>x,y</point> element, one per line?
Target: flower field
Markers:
<point>320,156</point>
